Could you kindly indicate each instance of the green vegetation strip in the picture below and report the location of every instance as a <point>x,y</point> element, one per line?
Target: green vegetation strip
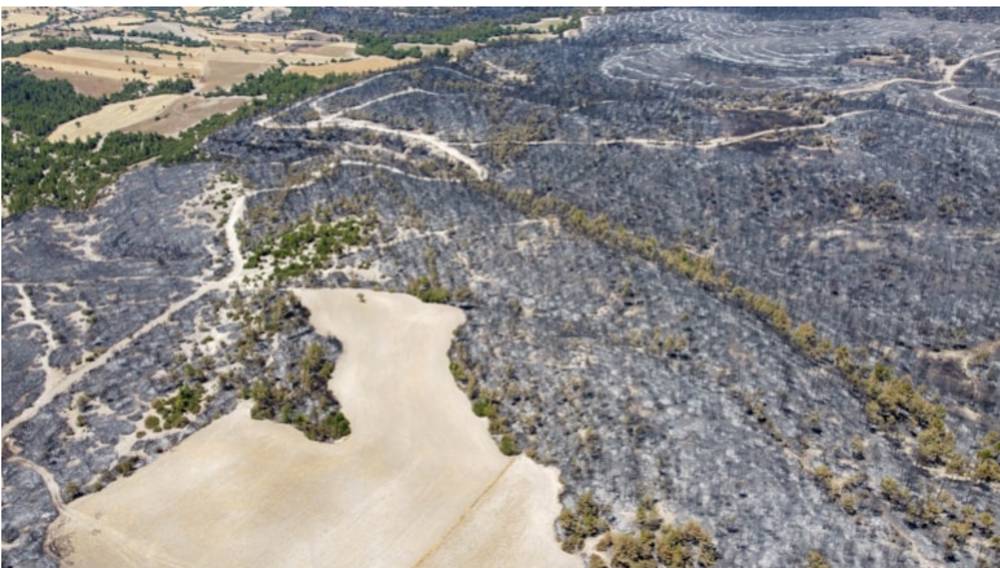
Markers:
<point>70,175</point>
<point>14,49</point>
<point>308,246</point>
<point>891,399</point>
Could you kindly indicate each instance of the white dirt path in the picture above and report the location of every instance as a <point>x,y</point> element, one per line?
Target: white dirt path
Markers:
<point>58,382</point>
<point>947,82</point>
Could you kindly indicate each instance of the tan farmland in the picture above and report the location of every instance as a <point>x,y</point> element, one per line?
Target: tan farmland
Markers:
<point>110,63</point>
<point>227,61</point>
<point>264,13</point>
<point>542,25</point>
<point>418,482</point>
<point>207,67</point>
<point>125,21</point>
<point>458,48</point>
<point>337,50</point>
<point>162,114</point>
<point>17,18</point>
<point>369,64</point>
<point>89,85</point>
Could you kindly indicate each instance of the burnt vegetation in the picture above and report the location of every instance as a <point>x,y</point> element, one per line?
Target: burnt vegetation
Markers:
<point>732,272</point>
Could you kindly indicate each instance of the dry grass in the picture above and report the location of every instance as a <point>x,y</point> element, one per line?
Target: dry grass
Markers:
<point>222,73</point>
<point>163,114</point>
<point>84,84</point>
<point>18,18</point>
<point>124,21</point>
<point>370,64</point>
<point>313,35</point>
<point>263,13</point>
<point>230,58</point>
<point>208,67</point>
<point>418,482</point>
<point>110,64</point>
<point>337,50</point>
<point>186,112</point>
<point>458,48</point>
<point>19,36</point>
<point>542,25</point>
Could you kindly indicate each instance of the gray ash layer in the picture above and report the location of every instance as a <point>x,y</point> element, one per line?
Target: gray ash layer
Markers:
<point>871,213</point>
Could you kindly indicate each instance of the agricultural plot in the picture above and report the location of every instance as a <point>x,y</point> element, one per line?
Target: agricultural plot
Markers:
<point>80,64</point>
<point>162,114</point>
<point>364,65</point>
<point>19,18</point>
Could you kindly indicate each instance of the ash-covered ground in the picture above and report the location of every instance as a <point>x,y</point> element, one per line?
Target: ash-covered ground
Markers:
<point>740,264</point>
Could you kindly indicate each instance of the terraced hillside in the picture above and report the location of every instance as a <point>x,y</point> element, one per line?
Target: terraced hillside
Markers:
<point>732,273</point>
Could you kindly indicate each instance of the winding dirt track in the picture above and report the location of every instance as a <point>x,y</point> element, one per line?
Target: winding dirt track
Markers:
<point>419,482</point>
<point>58,382</point>
<point>947,81</point>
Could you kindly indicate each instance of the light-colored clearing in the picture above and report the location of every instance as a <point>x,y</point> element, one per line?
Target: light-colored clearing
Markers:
<point>84,84</point>
<point>458,48</point>
<point>208,67</point>
<point>337,49</point>
<point>542,25</point>
<point>110,63</point>
<point>224,73</point>
<point>17,18</point>
<point>141,115</point>
<point>308,34</point>
<point>177,117</point>
<point>370,64</point>
<point>419,482</point>
<point>125,21</point>
<point>264,14</point>
<point>113,117</point>
<point>964,357</point>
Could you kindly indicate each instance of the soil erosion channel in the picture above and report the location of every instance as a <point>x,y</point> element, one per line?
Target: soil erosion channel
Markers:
<point>418,482</point>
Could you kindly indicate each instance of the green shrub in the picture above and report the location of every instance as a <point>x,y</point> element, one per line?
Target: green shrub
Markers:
<point>583,522</point>
<point>153,423</point>
<point>815,559</point>
<point>428,291</point>
<point>508,445</point>
<point>687,545</point>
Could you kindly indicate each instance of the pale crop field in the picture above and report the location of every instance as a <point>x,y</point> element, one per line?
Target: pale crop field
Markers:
<point>369,64</point>
<point>83,83</point>
<point>163,114</point>
<point>17,18</point>
<point>124,22</point>
<point>458,48</point>
<point>111,64</point>
<point>418,482</point>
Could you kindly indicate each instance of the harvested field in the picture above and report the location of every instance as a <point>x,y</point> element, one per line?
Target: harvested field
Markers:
<point>370,64</point>
<point>90,70</point>
<point>177,118</point>
<point>340,50</point>
<point>264,13</point>
<point>163,114</point>
<point>542,25</point>
<point>418,482</point>
<point>18,18</point>
<point>89,85</point>
<point>176,28</point>
<point>126,22</point>
<point>458,48</point>
<point>223,73</point>
<point>110,64</point>
<point>250,41</point>
<point>19,36</point>
<point>313,35</point>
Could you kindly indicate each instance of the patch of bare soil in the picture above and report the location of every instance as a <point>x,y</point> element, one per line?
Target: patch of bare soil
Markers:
<point>418,482</point>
